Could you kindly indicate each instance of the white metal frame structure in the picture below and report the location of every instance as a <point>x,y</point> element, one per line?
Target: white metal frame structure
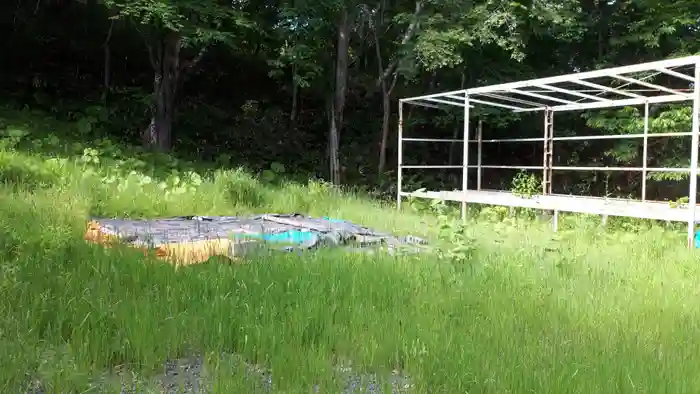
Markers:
<point>573,92</point>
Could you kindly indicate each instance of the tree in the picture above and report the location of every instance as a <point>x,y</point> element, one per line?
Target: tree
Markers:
<point>177,35</point>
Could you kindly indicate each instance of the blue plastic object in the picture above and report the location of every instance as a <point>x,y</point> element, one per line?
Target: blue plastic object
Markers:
<point>292,236</point>
<point>697,240</point>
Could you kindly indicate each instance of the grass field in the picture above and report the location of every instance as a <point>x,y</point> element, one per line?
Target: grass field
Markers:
<point>584,310</point>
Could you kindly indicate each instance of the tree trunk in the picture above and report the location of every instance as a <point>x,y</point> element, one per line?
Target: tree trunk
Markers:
<point>341,76</point>
<point>333,144</point>
<point>386,99</point>
<point>385,124</point>
<point>455,135</point>
<point>107,47</point>
<point>166,65</point>
<point>295,101</point>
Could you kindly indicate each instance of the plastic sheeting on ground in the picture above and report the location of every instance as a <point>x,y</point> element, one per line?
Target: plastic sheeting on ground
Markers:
<point>193,239</point>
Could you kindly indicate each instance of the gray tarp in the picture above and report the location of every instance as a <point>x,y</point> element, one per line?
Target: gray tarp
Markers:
<point>289,232</point>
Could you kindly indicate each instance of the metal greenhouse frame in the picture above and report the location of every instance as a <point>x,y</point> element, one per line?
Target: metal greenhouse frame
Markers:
<point>608,88</point>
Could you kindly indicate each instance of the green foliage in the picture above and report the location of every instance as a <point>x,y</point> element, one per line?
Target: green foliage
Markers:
<point>526,185</point>
<point>199,22</point>
<point>459,247</point>
<point>631,121</point>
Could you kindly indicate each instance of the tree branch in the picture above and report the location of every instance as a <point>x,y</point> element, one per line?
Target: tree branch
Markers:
<point>193,63</point>
<point>149,47</point>
<point>410,31</point>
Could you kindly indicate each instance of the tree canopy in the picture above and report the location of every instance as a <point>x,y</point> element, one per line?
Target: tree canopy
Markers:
<point>313,85</point>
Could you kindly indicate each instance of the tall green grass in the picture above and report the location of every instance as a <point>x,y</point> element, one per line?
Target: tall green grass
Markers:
<point>585,310</point>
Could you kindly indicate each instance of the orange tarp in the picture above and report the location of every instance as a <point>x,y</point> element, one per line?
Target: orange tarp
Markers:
<point>177,253</point>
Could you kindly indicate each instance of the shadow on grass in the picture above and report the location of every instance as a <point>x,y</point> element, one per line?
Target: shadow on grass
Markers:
<point>36,132</point>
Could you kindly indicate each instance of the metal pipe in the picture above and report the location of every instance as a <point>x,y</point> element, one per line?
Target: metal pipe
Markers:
<point>649,85</point>
<point>693,192</point>
<point>441,101</point>
<point>544,153</point>
<point>630,169</point>
<point>418,166</point>
<point>621,103</point>
<point>558,168</point>
<point>550,147</point>
<point>685,61</point>
<point>400,157</point>
<point>676,74</point>
<point>547,151</point>
<point>620,136</point>
<point>465,156</point>
<point>431,140</point>
<point>461,91</point>
<point>512,167</point>
<point>422,104</point>
<point>645,150</point>
<point>479,132</point>
<point>514,140</point>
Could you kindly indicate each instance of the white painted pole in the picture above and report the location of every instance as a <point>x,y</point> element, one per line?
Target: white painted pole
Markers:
<point>645,150</point>
<point>399,158</point>
<point>547,145</point>
<point>693,193</point>
<point>479,132</point>
<point>465,157</point>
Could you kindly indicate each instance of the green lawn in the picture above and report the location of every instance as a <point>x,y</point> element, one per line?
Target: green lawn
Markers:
<point>585,310</point>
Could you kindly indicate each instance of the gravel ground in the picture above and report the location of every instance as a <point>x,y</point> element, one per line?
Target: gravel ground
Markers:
<point>188,376</point>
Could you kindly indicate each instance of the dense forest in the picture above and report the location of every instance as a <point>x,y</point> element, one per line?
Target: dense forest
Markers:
<point>311,87</point>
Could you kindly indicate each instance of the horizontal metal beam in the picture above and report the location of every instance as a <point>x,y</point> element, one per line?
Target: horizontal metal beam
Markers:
<point>448,102</point>
<point>535,139</point>
<point>428,166</point>
<point>620,136</point>
<point>564,203</point>
<point>508,167</point>
<point>427,105</point>
<point>624,169</point>
<point>431,140</point>
<point>571,138</point>
<point>454,92</point>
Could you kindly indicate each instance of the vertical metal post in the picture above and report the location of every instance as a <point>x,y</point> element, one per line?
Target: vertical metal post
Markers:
<point>465,157</point>
<point>547,160</point>
<point>479,132</point>
<point>399,166</point>
<point>693,192</point>
<point>644,151</point>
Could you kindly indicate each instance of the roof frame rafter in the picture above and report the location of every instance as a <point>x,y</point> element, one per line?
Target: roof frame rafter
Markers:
<point>505,91</point>
<point>675,74</point>
<point>608,89</point>
<point>490,103</point>
<point>571,92</point>
<point>541,96</point>
<point>650,85</point>
<point>511,99</point>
